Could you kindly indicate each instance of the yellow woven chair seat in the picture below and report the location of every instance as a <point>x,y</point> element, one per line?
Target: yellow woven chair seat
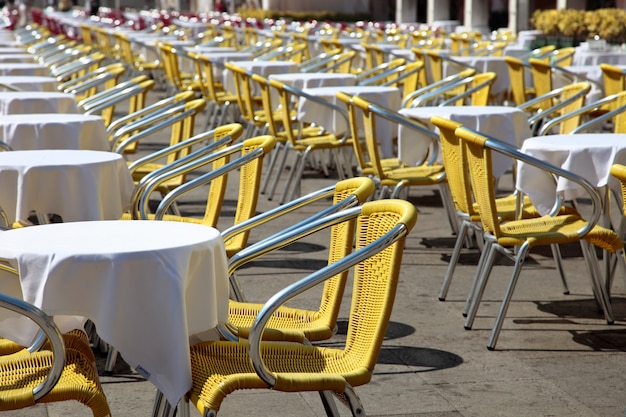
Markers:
<point>547,230</point>
<point>79,381</point>
<point>75,339</point>
<point>507,206</point>
<point>318,371</point>
<point>306,324</point>
<point>419,175</point>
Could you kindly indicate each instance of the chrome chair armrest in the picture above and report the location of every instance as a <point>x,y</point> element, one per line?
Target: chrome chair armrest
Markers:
<point>592,192</point>
<point>46,324</point>
<point>305,284</point>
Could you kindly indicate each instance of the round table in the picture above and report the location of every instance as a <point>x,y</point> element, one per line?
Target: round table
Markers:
<point>28,102</point>
<point>148,286</point>
<point>388,97</point>
<point>30,82</point>
<point>54,131</point>
<point>589,155</point>
<point>75,184</point>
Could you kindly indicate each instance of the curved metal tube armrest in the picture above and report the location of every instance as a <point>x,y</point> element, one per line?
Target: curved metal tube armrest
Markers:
<point>203,179</point>
<point>573,76</point>
<point>46,324</point>
<point>211,147</point>
<point>290,235</point>
<point>402,76</point>
<point>189,162</point>
<point>460,64</point>
<point>585,109</point>
<point>86,83</point>
<point>278,211</point>
<point>434,86</point>
<point>293,290</point>
<point>514,153</point>
<point>137,117</point>
<point>542,115</point>
<point>86,103</point>
<point>598,120</point>
<point>114,98</point>
<point>154,128</point>
<point>465,94</point>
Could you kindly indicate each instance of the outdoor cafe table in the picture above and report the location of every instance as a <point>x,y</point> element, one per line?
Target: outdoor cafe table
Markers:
<point>54,131</point>
<point>27,102</point>
<point>23,68</point>
<point>312,112</point>
<point>495,64</point>
<point>148,286</point>
<point>77,185</point>
<point>508,124</point>
<point>589,155</point>
<point>302,80</point>
<point>30,82</point>
<point>589,57</point>
<point>264,68</point>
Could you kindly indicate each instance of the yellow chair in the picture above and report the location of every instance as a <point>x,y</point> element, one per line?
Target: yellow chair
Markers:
<point>178,80</point>
<point>219,368</point>
<point>180,120</point>
<point>439,90</point>
<point>134,91</point>
<point>364,163</point>
<point>303,142</point>
<point>429,174</point>
<point>250,105</point>
<point>595,119</point>
<point>136,62</point>
<point>516,238</point>
<point>555,103</point>
<point>218,99</point>
<point>300,324</point>
<point>49,375</point>
<point>618,171</point>
<point>88,84</point>
<point>123,127</point>
<point>380,72</point>
<point>613,78</point>
<point>473,91</point>
<point>519,91</point>
<point>455,161</point>
<point>562,57</point>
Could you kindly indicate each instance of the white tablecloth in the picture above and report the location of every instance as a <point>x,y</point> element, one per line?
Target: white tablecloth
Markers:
<point>264,68</point>
<point>54,131</point>
<point>221,57</point>
<point>75,184</point>
<point>587,155</point>
<point>20,68</point>
<point>483,64</point>
<point>315,79</point>
<point>508,124</point>
<point>586,57</point>
<point>389,97</point>
<point>147,285</point>
<point>30,82</point>
<point>27,102</point>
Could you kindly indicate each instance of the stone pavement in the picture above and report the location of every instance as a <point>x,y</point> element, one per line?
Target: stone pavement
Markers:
<point>556,355</point>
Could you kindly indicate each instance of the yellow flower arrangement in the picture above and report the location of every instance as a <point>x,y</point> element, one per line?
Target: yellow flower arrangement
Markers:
<point>608,24</point>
